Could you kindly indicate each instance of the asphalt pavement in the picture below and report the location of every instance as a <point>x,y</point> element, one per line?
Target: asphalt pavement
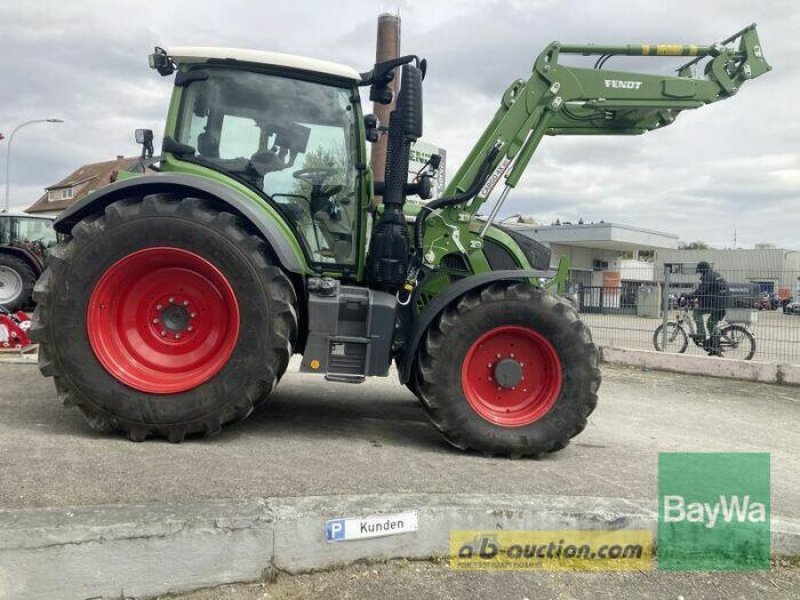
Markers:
<point>319,438</point>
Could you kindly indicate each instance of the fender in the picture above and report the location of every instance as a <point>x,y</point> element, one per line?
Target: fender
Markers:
<point>25,254</point>
<point>185,184</point>
<point>406,359</point>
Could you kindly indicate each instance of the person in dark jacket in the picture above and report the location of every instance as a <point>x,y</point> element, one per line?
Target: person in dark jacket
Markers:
<point>711,298</point>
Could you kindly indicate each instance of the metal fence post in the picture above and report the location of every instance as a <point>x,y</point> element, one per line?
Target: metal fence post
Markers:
<point>665,305</point>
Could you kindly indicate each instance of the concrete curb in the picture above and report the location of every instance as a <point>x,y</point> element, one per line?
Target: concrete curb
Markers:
<point>17,358</point>
<point>142,550</point>
<point>703,365</point>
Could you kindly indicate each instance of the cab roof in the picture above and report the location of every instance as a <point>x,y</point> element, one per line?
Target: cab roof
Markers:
<point>21,213</point>
<point>200,54</point>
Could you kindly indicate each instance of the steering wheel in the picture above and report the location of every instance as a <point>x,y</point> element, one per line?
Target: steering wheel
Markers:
<point>313,177</point>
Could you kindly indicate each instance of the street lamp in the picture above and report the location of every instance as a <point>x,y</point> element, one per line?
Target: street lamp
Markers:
<point>8,150</point>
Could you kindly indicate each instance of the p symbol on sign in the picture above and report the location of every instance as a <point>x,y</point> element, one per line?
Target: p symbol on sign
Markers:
<point>335,530</point>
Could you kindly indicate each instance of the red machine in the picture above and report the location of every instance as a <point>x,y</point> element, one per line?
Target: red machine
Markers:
<point>14,330</point>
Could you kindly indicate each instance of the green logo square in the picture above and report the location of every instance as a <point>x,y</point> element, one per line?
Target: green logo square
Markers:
<point>713,511</point>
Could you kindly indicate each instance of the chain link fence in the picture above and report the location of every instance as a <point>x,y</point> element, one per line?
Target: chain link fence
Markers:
<point>747,313</point>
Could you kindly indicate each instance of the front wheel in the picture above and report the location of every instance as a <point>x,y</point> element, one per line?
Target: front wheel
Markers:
<point>736,342</point>
<point>508,370</point>
<point>677,340</point>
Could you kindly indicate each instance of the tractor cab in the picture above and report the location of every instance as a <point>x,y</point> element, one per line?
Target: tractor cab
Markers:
<point>288,128</point>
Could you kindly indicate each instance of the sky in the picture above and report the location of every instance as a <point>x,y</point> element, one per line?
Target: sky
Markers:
<point>732,168</point>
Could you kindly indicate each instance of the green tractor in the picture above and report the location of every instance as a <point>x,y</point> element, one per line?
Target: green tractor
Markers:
<point>176,302</point>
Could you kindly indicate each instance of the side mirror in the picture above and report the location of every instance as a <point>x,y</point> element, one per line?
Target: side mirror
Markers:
<point>383,73</point>
<point>161,62</point>
<point>382,94</point>
<point>145,138</point>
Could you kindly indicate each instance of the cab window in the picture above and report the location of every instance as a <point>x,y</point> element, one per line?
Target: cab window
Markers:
<point>294,140</point>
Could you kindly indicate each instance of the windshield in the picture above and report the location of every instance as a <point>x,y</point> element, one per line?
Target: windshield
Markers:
<point>27,231</point>
<point>294,140</point>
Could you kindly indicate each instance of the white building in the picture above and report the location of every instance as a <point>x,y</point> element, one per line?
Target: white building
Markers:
<point>605,269</point>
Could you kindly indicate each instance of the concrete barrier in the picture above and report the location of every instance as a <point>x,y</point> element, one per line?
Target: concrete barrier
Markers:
<point>789,374</point>
<point>702,365</point>
<point>143,550</point>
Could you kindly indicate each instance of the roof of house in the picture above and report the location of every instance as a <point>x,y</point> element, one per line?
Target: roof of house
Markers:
<point>203,54</point>
<point>90,177</point>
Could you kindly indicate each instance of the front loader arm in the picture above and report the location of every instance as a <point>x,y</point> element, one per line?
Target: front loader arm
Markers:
<point>564,100</point>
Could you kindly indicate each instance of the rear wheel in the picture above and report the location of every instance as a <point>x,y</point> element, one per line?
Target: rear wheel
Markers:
<point>508,370</point>
<point>677,340</point>
<point>736,342</point>
<point>164,316</point>
<point>17,279</point>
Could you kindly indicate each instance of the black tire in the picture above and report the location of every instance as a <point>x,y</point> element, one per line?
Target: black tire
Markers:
<point>677,340</point>
<point>446,346</point>
<point>266,303</point>
<point>16,271</point>
<point>736,342</point>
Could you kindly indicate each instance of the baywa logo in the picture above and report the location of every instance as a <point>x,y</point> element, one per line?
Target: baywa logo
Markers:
<point>730,509</point>
<point>714,511</point>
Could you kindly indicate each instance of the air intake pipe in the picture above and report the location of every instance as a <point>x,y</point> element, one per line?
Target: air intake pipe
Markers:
<point>390,246</point>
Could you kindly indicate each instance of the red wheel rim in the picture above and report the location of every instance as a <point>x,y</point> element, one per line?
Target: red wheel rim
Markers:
<point>163,320</point>
<point>526,396</point>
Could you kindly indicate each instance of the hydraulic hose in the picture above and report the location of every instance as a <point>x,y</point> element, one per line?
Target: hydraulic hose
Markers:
<point>465,196</point>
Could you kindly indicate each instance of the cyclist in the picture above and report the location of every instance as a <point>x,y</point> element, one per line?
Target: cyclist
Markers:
<point>710,299</point>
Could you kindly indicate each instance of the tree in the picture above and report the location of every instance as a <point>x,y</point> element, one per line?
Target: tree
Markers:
<point>323,158</point>
<point>696,245</point>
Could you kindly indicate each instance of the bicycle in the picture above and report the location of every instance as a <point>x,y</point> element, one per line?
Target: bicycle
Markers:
<point>735,340</point>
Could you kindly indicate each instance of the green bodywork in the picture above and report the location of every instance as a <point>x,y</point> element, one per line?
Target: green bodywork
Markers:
<point>555,100</point>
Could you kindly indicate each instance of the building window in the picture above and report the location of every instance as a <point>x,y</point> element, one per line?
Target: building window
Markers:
<point>60,194</point>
